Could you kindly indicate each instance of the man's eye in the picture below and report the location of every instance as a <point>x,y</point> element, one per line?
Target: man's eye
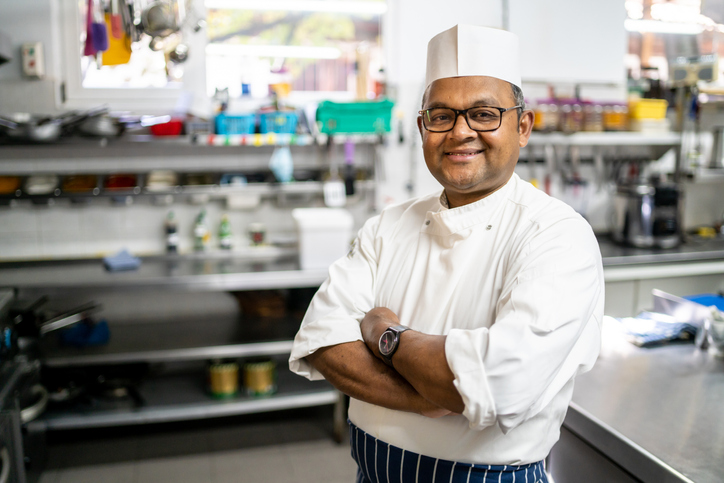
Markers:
<point>483,114</point>
<point>439,117</point>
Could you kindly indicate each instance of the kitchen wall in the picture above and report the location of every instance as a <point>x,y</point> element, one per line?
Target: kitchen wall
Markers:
<point>565,42</point>
<point>30,21</point>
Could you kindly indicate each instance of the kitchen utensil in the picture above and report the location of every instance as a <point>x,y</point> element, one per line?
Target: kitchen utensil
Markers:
<point>131,16</point>
<point>100,124</point>
<point>180,53</point>
<point>89,49</point>
<point>119,48</point>
<point>68,318</point>
<point>34,129</point>
<point>158,20</point>
<point>7,123</point>
<point>37,397</point>
<point>99,33</point>
<point>116,22</point>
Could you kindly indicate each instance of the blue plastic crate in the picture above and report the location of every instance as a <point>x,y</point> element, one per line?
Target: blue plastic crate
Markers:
<point>708,299</point>
<point>278,122</point>
<point>235,123</point>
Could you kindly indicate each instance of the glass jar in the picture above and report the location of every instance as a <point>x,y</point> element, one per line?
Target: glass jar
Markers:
<point>571,118</point>
<point>546,116</point>
<point>615,117</point>
<point>593,117</point>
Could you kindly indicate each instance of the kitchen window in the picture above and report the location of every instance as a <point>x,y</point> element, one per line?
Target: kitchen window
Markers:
<point>173,51</point>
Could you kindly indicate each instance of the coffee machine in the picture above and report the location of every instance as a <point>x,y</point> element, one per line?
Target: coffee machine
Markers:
<point>647,214</point>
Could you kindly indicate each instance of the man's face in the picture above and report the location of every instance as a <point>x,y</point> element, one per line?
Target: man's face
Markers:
<point>470,165</point>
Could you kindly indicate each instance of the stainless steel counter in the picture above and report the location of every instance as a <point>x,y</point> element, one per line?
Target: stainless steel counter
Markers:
<point>694,249</point>
<point>657,412</point>
<point>194,272</point>
<point>273,268</point>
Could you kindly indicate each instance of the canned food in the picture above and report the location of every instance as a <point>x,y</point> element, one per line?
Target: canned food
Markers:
<point>260,378</point>
<point>224,379</point>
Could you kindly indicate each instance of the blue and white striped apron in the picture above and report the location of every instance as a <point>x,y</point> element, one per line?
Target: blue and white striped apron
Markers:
<point>379,462</point>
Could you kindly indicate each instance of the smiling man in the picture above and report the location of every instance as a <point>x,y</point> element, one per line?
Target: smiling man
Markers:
<point>458,321</point>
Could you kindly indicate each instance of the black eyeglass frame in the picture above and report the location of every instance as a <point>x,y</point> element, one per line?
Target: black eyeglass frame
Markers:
<point>464,113</point>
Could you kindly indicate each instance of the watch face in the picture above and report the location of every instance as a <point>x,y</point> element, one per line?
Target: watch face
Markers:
<point>387,343</point>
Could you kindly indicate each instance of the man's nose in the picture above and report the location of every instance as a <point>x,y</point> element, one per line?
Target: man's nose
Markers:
<point>461,128</point>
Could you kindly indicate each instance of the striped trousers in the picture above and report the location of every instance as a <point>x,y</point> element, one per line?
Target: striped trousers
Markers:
<point>379,462</point>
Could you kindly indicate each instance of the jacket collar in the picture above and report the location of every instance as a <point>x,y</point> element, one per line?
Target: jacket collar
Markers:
<point>446,221</point>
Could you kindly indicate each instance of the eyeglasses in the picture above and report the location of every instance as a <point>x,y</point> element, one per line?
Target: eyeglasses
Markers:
<point>480,119</point>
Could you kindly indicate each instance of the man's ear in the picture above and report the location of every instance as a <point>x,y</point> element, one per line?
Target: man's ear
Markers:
<point>420,127</point>
<point>525,127</point>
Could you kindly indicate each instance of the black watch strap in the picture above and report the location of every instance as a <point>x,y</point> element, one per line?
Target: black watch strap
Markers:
<point>395,331</point>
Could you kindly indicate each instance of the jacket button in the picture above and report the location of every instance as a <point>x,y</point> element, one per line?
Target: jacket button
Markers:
<point>427,222</point>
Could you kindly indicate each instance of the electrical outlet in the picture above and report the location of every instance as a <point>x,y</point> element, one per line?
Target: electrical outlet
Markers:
<point>33,60</point>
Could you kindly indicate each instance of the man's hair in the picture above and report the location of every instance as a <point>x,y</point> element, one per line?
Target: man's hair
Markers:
<point>518,97</point>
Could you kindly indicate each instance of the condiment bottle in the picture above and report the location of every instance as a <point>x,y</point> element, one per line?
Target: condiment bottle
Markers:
<point>171,228</point>
<point>225,233</point>
<point>201,232</point>
<point>349,170</point>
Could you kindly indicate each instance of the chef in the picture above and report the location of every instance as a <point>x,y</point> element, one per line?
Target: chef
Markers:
<point>458,321</point>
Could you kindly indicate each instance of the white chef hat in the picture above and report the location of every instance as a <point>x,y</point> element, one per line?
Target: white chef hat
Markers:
<point>466,50</point>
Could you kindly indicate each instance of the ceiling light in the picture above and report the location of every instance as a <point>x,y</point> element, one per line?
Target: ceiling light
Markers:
<point>656,26</point>
<point>337,6</point>
<point>286,51</point>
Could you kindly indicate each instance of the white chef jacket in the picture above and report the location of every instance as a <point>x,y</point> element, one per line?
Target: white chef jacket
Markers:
<point>514,280</point>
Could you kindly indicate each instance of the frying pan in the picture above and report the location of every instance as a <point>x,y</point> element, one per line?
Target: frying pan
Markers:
<point>46,129</point>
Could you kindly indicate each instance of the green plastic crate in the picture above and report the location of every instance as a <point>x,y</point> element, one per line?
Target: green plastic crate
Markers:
<point>355,117</point>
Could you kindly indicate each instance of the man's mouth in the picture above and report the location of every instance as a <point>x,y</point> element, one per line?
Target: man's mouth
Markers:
<point>463,153</point>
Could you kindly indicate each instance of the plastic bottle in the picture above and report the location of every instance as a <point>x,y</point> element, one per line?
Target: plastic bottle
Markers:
<point>171,228</point>
<point>225,233</point>
<point>201,232</point>
<point>349,170</point>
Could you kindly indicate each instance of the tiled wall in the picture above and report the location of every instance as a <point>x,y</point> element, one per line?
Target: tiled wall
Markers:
<point>100,228</point>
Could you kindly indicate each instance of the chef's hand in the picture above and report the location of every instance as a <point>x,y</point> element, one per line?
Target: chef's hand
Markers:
<point>374,323</point>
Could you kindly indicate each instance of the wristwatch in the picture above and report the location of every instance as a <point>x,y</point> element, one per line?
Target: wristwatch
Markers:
<point>390,341</point>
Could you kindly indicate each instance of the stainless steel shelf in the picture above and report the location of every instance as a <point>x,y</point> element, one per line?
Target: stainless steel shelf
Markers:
<point>179,155</point>
<point>605,139</point>
<point>179,340</point>
<point>184,397</point>
<point>168,273</point>
<point>212,191</point>
<point>695,249</point>
<point>277,139</point>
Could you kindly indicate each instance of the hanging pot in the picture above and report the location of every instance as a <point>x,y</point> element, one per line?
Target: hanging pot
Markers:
<point>158,20</point>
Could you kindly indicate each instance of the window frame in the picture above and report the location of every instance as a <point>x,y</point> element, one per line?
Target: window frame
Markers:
<point>74,96</point>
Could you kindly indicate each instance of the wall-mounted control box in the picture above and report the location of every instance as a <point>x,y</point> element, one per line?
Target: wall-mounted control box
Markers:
<point>5,48</point>
<point>33,60</point>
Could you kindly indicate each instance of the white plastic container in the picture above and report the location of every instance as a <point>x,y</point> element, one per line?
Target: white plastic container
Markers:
<point>324,235</point>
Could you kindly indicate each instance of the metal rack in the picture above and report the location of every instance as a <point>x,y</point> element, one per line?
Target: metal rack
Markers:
<point>601,145</point>
<point>176,396</point>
